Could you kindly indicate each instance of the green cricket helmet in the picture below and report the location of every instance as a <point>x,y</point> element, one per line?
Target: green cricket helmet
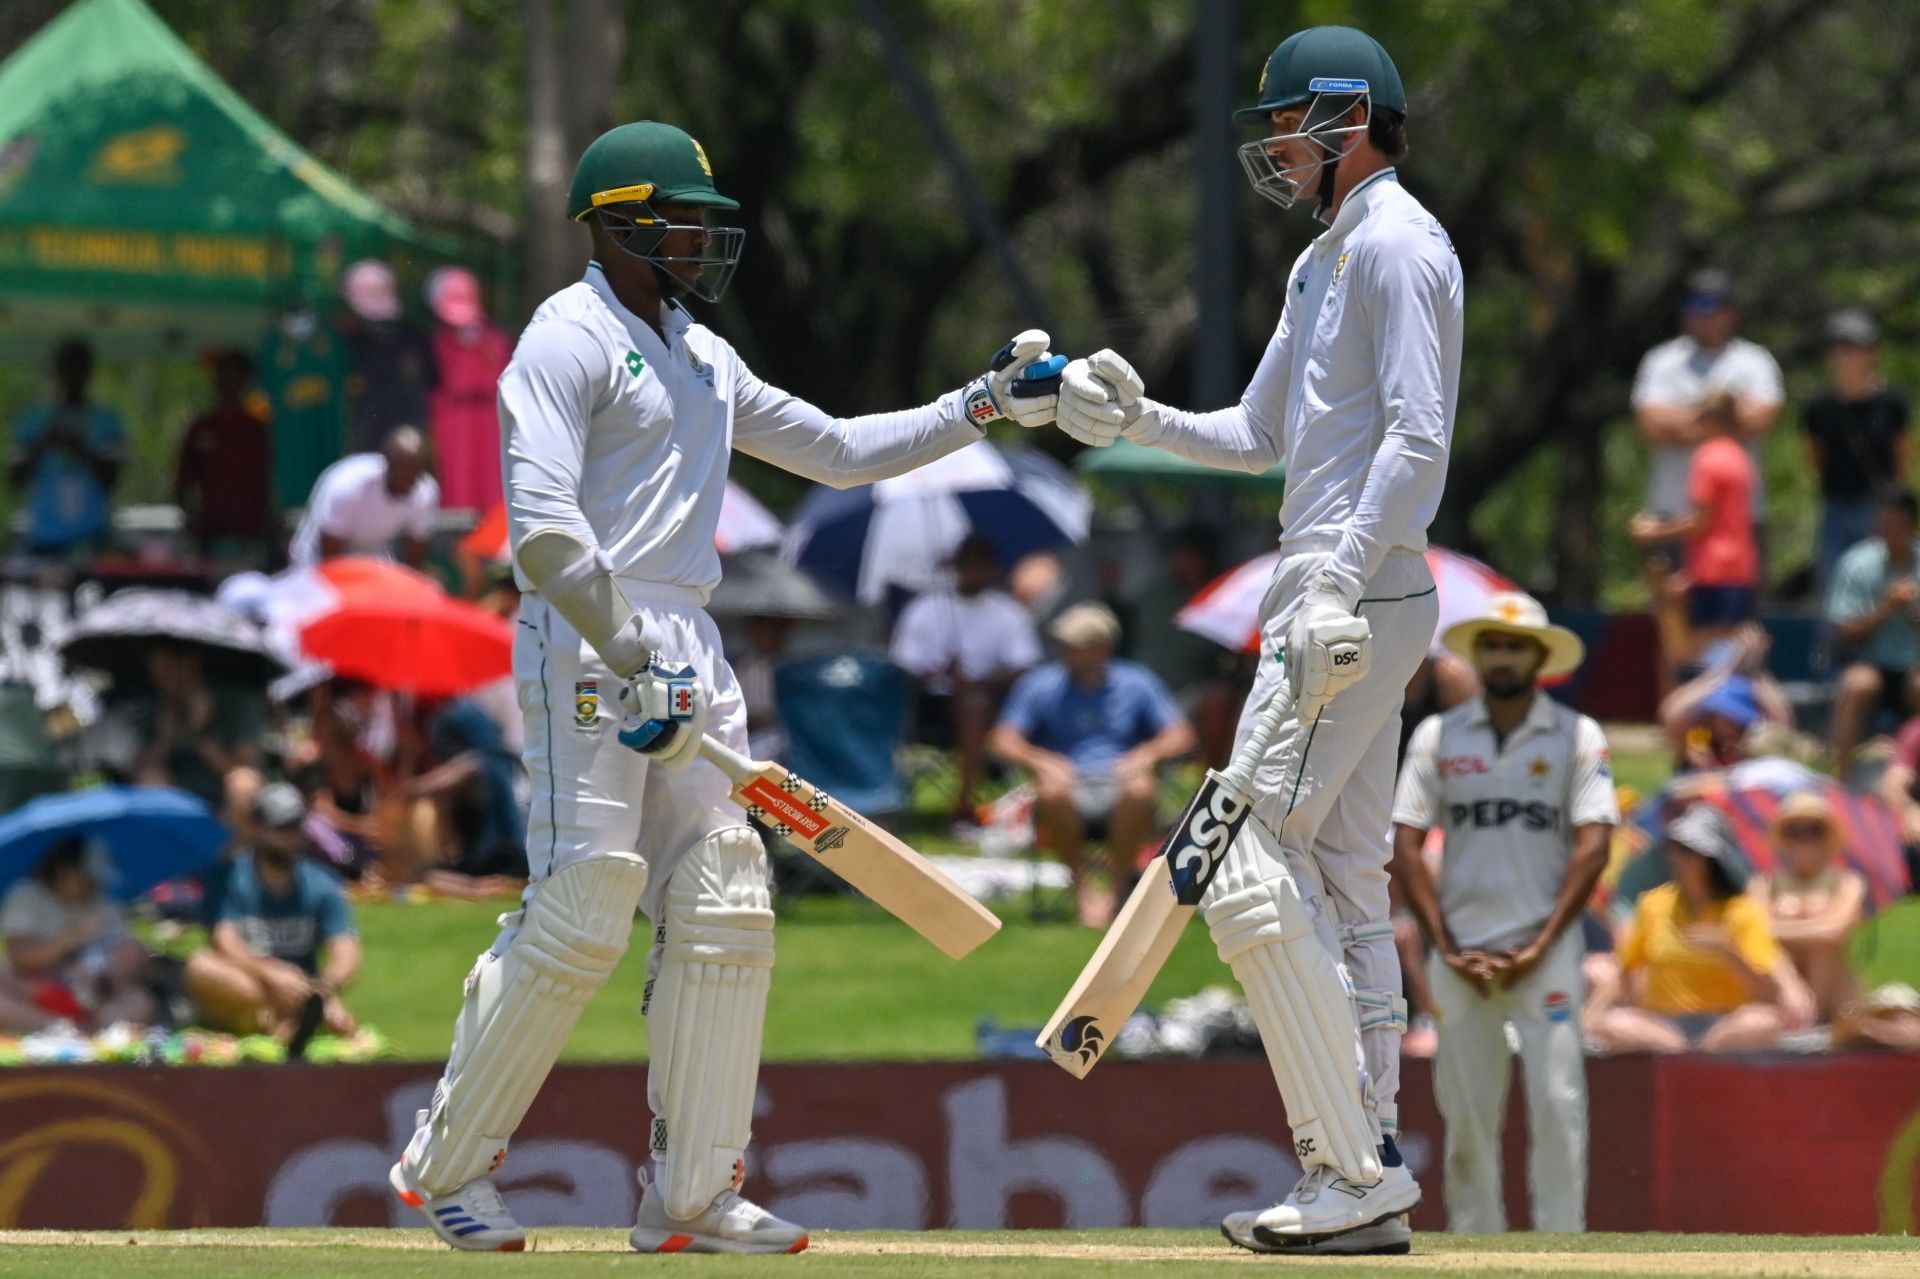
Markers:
<point>627,174</point>
<point>1328,70</point>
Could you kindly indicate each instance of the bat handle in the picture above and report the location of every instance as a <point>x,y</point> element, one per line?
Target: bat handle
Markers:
<point>1246,760</point>
<point>736,766</point>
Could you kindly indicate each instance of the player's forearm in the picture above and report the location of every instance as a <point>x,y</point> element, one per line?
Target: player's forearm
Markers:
<point>1590,846</point>
<point>1399,499</point>
<point>1670,424</point>
<point>1416,884</point>
<point>796,436</point>
<point>1240,438</point>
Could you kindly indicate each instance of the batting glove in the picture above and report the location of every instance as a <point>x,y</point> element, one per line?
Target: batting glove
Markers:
<point>1328,650</point>
<point>1022,383</point>
<point>1099,399</point>
<point>663,713</point>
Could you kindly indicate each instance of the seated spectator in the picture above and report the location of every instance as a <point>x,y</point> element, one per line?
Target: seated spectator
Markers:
<point>1709,719</point>
<point>1699,968</point>
<point>1813,902</point>
<point>1900,787</point>
<point>347,765</point>
<point>1722,554</point>
<point>964,646</point>
<point>363,502</point>
<point>197,735</point>
<point>1874,608</point>
<point>482,827</point>
<point>1093,732</point>
<point>67,946</point>
<point>224,477</point>
<point>66,454</point>
<point>284,945</point>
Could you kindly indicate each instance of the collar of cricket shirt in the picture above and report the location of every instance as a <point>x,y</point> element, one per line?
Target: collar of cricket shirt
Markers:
<point>1355,206</point>
<point>674,320</point>
<point>1539,715</point>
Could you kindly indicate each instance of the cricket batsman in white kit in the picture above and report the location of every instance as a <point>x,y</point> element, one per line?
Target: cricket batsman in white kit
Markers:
<point>618,413</point>
<point>1356,394</point>
<point>1523,789</point>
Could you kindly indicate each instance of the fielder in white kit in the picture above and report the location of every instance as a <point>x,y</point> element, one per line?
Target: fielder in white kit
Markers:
<point>1356,394</point>
<point>1522,787</point>
<point>618,413</point>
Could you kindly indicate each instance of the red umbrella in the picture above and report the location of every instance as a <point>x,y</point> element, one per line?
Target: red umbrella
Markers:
<point>430,645</point>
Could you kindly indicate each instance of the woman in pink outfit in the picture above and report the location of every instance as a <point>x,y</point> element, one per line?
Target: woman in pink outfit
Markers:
<point>471,353</point>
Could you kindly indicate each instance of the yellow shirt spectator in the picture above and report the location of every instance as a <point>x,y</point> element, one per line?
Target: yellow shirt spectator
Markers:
<point>1685,979</point>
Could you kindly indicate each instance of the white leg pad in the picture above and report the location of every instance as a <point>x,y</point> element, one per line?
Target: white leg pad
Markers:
<point>522,1000</point>
<point>706,1013</point>
<point>1301,1002</point>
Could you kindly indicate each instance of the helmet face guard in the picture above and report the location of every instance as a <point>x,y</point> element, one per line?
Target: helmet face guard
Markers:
<point>641,232</point>
<point>1324,134</point>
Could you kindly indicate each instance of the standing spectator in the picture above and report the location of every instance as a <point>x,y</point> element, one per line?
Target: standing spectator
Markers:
<point>1699,966</point>
<point>1874,608</point>
<point>67,943</point>
<point>964,645</point>
<point>1722,556</point>
<point>302,371</point>
<point>66,455</point>
<point>1813,902</point>
<point>470,353</point>
<point>1857,435</point>
<point>197,735</point>
<point>223,479</point>
<point>284,946</point>
<point>1523,790</point>
<point>1674,381</point>
<point>389,358</point>
<point>1093,732</point>
<point>363,502</point>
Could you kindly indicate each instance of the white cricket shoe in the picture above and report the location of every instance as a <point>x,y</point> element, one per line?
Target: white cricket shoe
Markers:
<point>1324,1203</point>
<point>473,1218</point>
<point>1390,1238</point>
<point>731,1223</point>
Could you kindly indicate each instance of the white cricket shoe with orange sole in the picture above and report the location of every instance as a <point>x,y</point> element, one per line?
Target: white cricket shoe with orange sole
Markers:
<point>731,1223</point>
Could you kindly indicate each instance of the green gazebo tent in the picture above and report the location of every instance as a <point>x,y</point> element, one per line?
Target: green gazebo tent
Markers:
<point>144,202</point>
<point>1125,460</point>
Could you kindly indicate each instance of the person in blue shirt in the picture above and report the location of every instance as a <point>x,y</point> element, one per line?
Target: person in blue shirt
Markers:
<point>1093,731</point>
<point>284,941</point>
<point>66,455</point>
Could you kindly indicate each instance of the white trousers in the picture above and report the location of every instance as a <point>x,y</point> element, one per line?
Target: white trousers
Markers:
<point>1470,1082</point>
<point>1327,789</point>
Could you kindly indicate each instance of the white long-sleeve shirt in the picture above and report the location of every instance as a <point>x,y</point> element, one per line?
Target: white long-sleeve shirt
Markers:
<point>1356,390</point>
<point>622,438</point>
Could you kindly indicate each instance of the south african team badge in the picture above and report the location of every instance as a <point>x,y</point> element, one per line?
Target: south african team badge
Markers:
<point>586,704</point>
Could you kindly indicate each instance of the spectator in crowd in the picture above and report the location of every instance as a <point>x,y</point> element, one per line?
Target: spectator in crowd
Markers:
<point>1199,671</point>
<point>767,640</point>
<point>363,502</point>
<point>472,787</point>
<point>66,455</point>
<point>1093,732</point>
<point>1874,608</point>
<point>470,352</point>
<point>390,361</point>
<point>1857,434</point>
<point>348,764</point>
<point>1522,788</point>
<point>223,479</point>
<point>302,372</point>
<point>1699,966</point>
<point>1675,379</point>
<point>67,945</point>
<point>1722,558</point>
<point>284,946</point>
<point>1899,786</point>
<point>1813,902</point>
<point>200,736</point>
<point>1710,719</point>
<point>964,645</point>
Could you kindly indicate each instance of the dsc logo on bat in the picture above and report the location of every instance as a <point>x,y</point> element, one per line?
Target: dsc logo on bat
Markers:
<point>1201,839</point>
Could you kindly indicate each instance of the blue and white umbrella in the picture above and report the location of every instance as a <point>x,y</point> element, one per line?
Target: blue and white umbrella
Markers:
<point>901,532</point>
<point>152,834</point>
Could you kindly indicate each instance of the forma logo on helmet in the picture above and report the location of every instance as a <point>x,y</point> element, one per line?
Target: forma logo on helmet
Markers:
<point>649,185</point>
<point>1323,90</point>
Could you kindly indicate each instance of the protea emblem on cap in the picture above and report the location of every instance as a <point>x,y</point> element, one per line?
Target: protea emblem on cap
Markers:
<point>700,154</point>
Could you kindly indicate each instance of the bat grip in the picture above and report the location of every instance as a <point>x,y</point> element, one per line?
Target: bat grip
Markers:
<point>1246,760</point>
<point>736,766</point>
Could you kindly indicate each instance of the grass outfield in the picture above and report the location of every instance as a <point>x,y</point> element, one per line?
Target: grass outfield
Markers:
<point>1051,1254</point>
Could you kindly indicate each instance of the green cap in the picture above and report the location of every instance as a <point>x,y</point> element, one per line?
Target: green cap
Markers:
<point>1319,60</point>
<point>643,161</point>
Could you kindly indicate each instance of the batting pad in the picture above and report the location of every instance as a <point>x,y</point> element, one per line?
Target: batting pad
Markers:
<point>707,1010</point>
<point>521,1005</point>
<point>1300,1001</point>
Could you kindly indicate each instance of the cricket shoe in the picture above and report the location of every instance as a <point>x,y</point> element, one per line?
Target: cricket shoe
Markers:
<point>473,1218</point>
<point>1324,1203</point>
<point>731,1223</point>
<point>1390,1238</point>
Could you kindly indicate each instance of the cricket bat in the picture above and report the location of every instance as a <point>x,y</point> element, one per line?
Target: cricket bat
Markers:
<point>1136,946</point>
<point>901,881</point>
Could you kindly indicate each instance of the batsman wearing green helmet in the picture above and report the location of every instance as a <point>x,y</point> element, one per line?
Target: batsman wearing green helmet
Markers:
<point>618,415</point>
<point>1355,393</point>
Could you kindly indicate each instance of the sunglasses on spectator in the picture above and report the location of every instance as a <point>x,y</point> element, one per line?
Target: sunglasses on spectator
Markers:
<point>1804,830</point>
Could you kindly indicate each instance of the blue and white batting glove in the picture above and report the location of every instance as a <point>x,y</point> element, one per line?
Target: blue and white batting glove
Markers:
<point>1099,399</point>
<point>663,713</point>
<point>1022,383</point>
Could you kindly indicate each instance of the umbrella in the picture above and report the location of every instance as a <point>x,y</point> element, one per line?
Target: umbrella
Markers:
<point>153,834</point>
<point>759,585</point>
<point>1227,609</point>
<point>744,525</point>
<point>116,634</point>
<point>434,646</point>
<point>1869,832</point>
<point>1124,459</point>
<point>900,532</point>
